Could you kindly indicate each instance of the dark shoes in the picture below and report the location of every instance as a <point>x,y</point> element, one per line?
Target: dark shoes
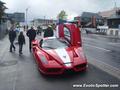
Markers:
<point>20,53</point>
<point>10,51</point>
<point>14,50</point>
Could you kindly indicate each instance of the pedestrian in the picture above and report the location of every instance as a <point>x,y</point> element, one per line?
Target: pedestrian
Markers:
<point>17,30</point>
<point>39,29</point>
<point>21,41</point>
<point>48,32</point>
<point>31,33</point>
<point>24,27</point>
<point>12,36</point>
<point>87,32</point>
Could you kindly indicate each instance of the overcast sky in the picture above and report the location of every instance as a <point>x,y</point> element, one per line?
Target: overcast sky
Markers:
<point>51,8</point>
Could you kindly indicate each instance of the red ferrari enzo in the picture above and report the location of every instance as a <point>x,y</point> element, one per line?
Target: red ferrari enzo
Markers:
<point>56,55</point>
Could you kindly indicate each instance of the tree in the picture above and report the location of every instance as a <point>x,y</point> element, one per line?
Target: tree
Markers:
<point>2,9</point>
<point>62,15</point>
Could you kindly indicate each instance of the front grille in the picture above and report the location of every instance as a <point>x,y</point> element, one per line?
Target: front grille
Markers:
<point>69,71</point>
<point>80,66</point>
<point>52,70</point>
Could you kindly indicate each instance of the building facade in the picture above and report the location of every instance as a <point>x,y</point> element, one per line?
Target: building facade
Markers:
<point>16,17</point>
<point>89,19</point>
<point>42,22</point>
<point>112,20</point>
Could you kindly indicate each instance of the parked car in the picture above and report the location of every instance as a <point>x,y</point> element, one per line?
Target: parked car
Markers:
<point>58,55</point>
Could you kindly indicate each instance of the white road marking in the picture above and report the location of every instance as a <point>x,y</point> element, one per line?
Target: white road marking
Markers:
<point>113,43</point>
<point>97,47</point>
<point>84,38</point>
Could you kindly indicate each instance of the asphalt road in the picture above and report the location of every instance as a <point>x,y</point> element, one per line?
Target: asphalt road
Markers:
<point>21,73</point>
<point>102,49</point>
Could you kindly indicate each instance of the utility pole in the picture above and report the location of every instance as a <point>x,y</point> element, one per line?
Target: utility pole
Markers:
<point>26,16</point>
<point>26,21</point>
<point>115,6</point>
<point>44,21</point>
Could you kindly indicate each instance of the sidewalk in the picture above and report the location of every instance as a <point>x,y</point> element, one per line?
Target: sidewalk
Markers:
<point>14,67</point>
<point>4,46</point>
<point>5,55</point>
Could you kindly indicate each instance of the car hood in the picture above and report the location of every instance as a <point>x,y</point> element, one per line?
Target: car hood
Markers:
<point>62,55</point>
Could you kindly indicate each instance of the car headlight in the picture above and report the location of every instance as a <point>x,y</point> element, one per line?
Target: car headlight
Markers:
<point>82,54</point>
<point>43,58</point>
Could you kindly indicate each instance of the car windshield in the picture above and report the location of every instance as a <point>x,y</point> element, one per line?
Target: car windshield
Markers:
<point>53,44</point>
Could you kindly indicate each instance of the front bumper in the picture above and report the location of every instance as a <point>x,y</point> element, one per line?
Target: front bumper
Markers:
<point>56,70</point>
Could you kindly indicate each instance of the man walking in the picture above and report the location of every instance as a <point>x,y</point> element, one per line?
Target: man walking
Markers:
<point>48,32</point>
<point>12,36</point>
<point>39,29</point>
<point>31,33</point>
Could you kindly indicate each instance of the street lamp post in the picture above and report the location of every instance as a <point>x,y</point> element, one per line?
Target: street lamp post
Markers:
<point>26,15</point>
<point>115,5</point>
<point>44,21</point>
<point>26,20</point>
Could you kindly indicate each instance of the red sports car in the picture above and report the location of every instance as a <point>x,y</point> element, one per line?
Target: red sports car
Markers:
<point>56,55</point>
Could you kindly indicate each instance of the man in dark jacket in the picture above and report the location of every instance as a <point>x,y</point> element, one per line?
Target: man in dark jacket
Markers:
<point>39,30</point>
<point>12,36</point>
<point>48,32</point>
<point>21,41</point>
<point>31,34</point>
